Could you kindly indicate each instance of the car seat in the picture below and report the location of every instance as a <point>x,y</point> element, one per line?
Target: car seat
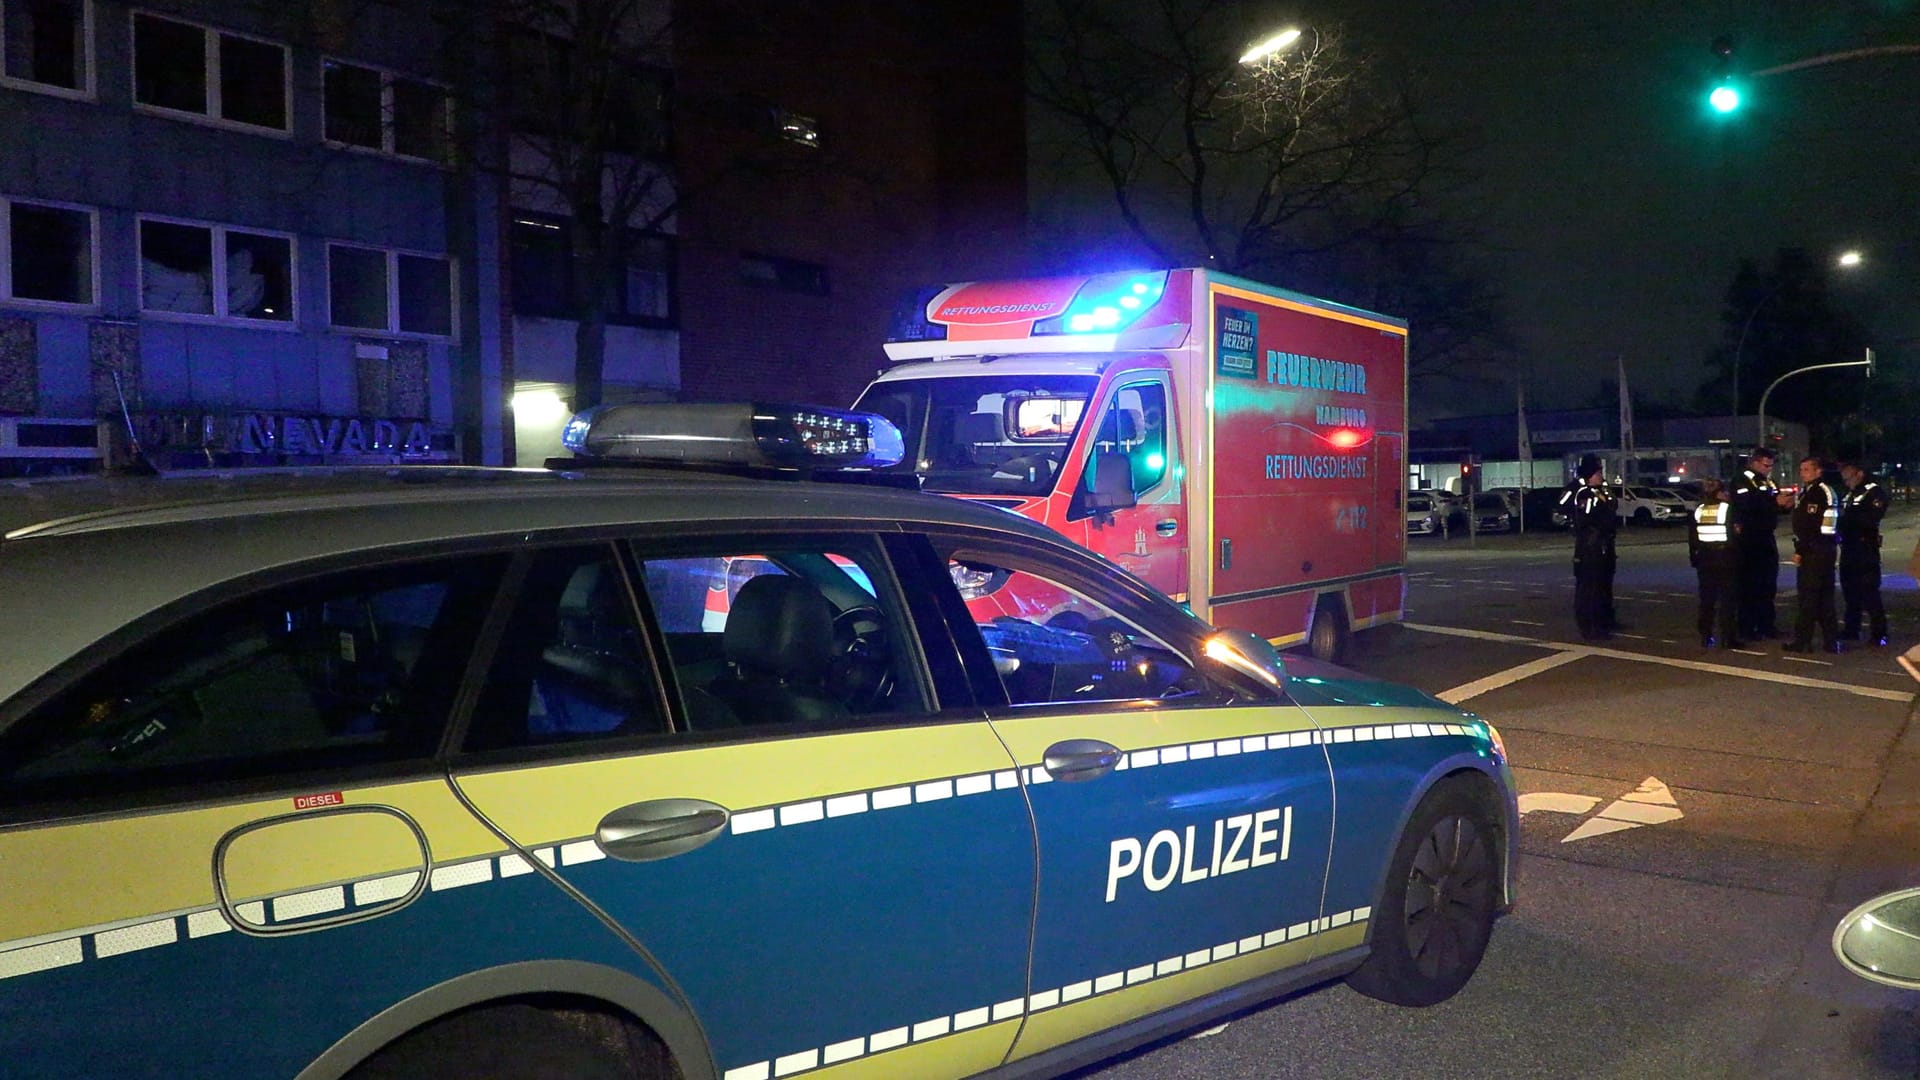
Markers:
<point>779,645</point>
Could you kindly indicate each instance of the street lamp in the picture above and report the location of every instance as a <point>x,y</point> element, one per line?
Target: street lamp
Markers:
<point>1261,50</point>
<point>1847,260</point>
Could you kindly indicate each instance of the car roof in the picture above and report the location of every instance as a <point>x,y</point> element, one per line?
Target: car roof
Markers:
<point>82,557</point>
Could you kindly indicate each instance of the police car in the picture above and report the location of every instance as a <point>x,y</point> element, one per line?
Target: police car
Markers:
<point>445,772</point>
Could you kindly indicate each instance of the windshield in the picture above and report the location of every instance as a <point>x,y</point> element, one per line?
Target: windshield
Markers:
<point>1419,504</point>
<point>986,435</point>
<point>1489,501</point>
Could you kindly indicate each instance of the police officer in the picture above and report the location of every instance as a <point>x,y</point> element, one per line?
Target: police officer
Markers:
<point>1589,507</point>
<point>1756,503</point>
<point>1710,549</point>
<point>1861,508</point>
<point>1816,528</point>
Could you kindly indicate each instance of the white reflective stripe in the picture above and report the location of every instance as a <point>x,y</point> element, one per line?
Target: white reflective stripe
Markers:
<point>1713,534</point>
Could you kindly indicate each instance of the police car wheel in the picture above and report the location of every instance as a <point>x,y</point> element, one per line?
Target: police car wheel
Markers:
<point>495,1042</point>
<point>1435,915</point>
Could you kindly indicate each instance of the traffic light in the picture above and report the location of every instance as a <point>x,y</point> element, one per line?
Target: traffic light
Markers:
<point>1725,95</point>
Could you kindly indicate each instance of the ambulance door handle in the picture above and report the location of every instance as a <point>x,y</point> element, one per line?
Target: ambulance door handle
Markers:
<point>1080,759</point>
<point>1167,526</point>
<point>660,828</point>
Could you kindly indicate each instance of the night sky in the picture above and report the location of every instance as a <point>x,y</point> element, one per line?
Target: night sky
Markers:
<point>1620,207</point>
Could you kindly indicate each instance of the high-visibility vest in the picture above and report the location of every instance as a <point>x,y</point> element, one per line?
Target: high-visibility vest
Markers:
<point>1712,519</point>
<point>1830,517</point>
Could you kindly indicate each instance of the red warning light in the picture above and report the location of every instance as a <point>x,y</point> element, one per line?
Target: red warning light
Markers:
<point>1344,437</point>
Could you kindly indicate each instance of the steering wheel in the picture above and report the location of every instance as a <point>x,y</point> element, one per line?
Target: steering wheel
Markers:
<point>861,673</point>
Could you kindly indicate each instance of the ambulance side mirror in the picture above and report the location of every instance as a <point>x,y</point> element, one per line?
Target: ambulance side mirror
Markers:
<point>1107,486</point>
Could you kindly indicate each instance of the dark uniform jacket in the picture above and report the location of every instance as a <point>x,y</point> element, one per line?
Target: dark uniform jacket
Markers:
<point>1861,509</point>
<point>1591,512</point>
<point>1755,512</point>
<point>1816,521</point>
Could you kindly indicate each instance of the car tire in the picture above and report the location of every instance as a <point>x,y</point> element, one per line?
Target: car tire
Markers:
<point>1642,516</point>
<point>1436,909</point>
<point>496,1042</point>
<point>1327,637</point>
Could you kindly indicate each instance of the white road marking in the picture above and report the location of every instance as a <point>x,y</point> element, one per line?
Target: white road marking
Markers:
<point>1667,661</point>
<point>1636,637</point>
<point>1805,660</point>
<point>1649,804</point>
<point>1749,652</point>
<point>1558,802</point>
<point>1503,678</point>
<point>1528,622</point>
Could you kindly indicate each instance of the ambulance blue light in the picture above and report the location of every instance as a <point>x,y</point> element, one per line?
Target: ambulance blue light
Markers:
<point>1156,462</point>
<point>1110,302</point>
<point>782,436</point>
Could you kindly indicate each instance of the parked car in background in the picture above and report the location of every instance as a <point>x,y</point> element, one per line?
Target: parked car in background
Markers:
<point>1688,498</point>
<point>1543,509</point>
<point>1650,506</point>
<point>1452,507</point>
<point>1425,517</point>
<point>1492,513</point>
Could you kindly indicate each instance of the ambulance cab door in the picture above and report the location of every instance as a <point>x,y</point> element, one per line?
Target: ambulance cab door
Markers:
<point>1134,429</point>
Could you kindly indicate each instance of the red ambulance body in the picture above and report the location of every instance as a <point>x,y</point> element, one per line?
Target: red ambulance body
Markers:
<point>1240,447</point>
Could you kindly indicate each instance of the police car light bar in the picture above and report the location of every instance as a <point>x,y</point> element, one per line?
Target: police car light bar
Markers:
<point>751,434</point>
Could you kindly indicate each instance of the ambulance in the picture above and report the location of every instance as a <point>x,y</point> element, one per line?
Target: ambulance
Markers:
<point>1239,447</point>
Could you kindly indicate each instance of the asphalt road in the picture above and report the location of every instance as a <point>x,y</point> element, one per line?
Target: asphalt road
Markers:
<point>1692,947</point>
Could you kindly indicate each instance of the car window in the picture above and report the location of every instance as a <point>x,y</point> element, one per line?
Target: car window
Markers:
<point>781,632</point>
<point>348,668</point>
<point>1053,640</point>
<point>572,663</point>
<point>1419,504</point>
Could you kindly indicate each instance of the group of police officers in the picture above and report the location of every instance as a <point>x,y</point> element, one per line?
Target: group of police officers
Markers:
<point>1731,545</point>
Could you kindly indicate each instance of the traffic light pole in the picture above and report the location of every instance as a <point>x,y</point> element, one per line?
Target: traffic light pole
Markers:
<point>1761,420</point>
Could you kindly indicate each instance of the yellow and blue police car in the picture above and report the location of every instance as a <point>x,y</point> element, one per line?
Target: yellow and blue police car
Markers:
<point>435,772</point>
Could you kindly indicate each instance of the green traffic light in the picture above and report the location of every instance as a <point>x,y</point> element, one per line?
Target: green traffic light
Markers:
<point>1724,98</point>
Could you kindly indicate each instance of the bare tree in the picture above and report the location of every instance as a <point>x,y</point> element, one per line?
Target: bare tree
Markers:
<point>1217,162</point>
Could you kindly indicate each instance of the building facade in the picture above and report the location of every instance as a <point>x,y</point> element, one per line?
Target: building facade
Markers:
<point>233,234</point>
<point>225,229</point>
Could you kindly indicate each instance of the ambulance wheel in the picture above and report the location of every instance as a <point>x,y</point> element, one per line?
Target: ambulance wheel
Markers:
<point>1436,909</point>
<point>1327,638</point>
<point>495,1042</point>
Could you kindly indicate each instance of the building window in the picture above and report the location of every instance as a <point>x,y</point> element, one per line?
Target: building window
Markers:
<point>378,110</point>
<point>48,253</point>
<point>47,44</point>
<point>389,291</point>
<point>793,275</point>
<point>639,292</point>
<point>185,68</point>
<point>553,96</point>
<point>193,269</point>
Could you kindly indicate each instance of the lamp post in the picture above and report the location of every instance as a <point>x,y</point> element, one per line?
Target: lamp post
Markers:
<point>1846,260</point>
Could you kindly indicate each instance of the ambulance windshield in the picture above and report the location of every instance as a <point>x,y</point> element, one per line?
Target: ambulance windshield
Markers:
<point>985,435</point>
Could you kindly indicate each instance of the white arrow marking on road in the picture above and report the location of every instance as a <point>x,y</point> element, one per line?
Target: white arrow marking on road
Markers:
<point>1558,802</point>
<point>1649,804</point>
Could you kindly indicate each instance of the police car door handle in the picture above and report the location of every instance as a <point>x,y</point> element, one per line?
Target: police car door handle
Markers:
<point>659,828</point>
<point>1167,526</point>
<point>1080,759</point>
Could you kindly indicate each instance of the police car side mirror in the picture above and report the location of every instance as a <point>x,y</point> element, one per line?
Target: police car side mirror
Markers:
<point>1247,653</point>
<point>1880,940</point>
